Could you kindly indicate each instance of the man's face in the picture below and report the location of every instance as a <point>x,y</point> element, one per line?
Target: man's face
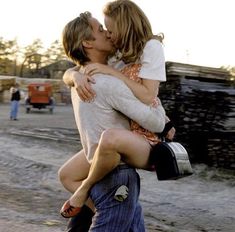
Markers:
<point>101,42</point>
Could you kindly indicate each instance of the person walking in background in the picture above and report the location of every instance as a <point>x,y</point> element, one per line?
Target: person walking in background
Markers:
<point>15,100</point>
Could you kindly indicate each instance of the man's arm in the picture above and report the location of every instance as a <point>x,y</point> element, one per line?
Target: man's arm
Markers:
<point>121,98</point>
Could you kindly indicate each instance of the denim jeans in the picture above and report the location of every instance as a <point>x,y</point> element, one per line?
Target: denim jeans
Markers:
<point>113,215</point>
<point>14,109</point>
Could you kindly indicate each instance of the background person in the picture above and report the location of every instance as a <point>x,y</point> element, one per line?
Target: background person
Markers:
<point>15,101</point>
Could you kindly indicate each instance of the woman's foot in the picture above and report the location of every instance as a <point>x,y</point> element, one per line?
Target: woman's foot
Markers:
<point>73,206</point>
<point>68,210</point>
<point>82,221</point>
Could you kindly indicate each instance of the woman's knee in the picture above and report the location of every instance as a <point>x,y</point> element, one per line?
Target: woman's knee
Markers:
<point>108,140</point>
<point>62,174</point>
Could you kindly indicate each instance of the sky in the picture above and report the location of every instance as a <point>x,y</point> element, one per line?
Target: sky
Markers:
<point>200,32</point>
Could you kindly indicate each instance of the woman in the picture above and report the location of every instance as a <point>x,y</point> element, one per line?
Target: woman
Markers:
<point>143,67</point>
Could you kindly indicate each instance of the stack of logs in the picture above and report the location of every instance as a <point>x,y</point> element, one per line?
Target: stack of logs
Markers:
<point>203,110</point>
<point>6,83</point>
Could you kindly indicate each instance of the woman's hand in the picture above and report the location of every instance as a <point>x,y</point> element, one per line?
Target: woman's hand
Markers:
<point>82,83</point>
<point>73,78</point>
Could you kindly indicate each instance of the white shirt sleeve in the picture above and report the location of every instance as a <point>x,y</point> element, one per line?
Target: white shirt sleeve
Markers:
<point>119,97</point>
<point>153,61</point>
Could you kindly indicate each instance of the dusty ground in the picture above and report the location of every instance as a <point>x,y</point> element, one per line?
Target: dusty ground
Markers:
<point>33,148</point>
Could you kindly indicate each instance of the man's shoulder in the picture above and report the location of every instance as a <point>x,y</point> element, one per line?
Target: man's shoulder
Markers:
<point>105,79</point>
<point>108,84</point>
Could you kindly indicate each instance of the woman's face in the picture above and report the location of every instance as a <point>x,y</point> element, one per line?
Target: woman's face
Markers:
<point>111,34</point>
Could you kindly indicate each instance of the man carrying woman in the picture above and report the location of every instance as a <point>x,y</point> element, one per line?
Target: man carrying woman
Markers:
<point>139,80</point>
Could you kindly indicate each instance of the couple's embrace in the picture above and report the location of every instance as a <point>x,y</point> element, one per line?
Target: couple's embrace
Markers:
<point>114,92</point>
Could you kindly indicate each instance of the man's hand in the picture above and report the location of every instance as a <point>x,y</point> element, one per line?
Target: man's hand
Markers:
<point>169,130</point>
<point>170,134</point>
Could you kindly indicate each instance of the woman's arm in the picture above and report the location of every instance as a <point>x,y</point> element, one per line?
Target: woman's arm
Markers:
<point>82,83</point>
<point>145,91</point>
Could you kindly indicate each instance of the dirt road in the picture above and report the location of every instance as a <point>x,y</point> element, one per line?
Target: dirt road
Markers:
<point>33,148</point>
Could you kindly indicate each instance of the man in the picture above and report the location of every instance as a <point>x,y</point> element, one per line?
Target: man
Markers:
<point>15,99</point>
<point>101,114</point>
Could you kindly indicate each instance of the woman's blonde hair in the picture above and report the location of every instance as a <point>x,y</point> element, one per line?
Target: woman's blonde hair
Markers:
<point>131,26</point>
<point>74,33</point>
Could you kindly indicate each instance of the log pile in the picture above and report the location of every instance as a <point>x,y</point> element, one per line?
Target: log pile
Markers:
<point>6,82</point>
<point>188,70</point>
<point>218,145</point>
<point>203,111</point>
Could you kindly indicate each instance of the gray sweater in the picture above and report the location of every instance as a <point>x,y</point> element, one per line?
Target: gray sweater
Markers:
<point>112,108</point>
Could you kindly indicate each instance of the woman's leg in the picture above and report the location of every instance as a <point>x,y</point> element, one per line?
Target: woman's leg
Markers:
<point>74,171</point>
<point>71,175</point>
<point>114,145</point>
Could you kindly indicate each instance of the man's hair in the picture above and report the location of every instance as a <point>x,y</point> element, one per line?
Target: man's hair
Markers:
<point>74,33</point>
<point>132,27</point>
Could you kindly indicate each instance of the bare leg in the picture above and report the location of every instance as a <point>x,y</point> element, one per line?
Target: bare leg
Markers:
<point>74,171</point>
<point>114,145</point>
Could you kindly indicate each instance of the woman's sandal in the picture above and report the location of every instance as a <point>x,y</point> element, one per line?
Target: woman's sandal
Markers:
<point>68,210</point>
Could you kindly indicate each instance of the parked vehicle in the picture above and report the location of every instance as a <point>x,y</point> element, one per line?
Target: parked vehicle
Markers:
<point>40,97</point>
